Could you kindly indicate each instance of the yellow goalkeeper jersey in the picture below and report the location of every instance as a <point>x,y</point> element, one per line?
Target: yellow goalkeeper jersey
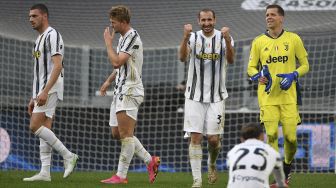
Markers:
<point>280,56</point>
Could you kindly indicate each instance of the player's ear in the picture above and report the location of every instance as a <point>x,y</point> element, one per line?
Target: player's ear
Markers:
<point>242,139</point>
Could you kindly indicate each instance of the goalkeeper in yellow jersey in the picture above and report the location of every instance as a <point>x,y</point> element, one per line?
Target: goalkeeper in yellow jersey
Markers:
<point>273,63</point>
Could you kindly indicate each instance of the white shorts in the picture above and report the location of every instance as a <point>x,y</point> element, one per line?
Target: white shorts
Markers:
<point>124,103</point>
<point>50,106</point>
<point>205,118</point>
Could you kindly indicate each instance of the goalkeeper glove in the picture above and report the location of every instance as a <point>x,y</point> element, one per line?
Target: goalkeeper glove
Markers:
<point>264,72</point>
<point>287,79</point>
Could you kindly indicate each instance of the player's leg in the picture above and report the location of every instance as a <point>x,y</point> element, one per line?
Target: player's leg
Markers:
<point>45,157</point>
<point>214,124</point>
<point>116,135</point>
<point>43,116</point>
<point>152,162</point>
<point>194,124</point>
<point>270,117</point>
<point>290,119</point>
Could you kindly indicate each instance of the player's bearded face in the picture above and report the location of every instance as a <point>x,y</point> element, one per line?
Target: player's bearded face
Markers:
<point>36,18</point>
<point>207,22</point>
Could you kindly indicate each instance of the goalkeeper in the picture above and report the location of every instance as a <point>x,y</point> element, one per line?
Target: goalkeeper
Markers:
<point>278,49</point>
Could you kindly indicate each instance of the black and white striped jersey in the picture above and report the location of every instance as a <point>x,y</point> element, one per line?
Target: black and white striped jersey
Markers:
<point>129,75</point>
<point>207,68</point>
<point>47,44</point>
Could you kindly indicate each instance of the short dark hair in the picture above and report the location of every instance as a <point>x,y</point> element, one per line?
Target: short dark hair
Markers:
<point>206,10</point>
<point>280,9</point>
<point>42,7</point>
<point>251,130</point>
<point>121,13</point>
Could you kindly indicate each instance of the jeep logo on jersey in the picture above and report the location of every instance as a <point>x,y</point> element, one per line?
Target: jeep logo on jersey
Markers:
<point>37,54</point>
<point>210,56</point>
<point>280,59</point>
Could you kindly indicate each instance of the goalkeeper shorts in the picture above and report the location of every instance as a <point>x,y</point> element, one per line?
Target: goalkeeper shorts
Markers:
<point>205,118</point>
<point>130,104</point>
<point>280,113</point>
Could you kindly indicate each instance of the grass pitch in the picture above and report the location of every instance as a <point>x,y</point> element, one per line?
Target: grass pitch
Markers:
<point>13,179</point>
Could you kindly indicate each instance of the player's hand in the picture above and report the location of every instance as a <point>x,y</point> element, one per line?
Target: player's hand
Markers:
<point>187,30</point>
<point>108,36</point>
<point>30,107</point>
<point>42,98</point>
<point>103,88</point>
<point>264,77</point>
<point>226,33</point>
<point>287,79</point>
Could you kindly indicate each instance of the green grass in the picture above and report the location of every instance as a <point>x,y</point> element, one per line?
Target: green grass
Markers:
<point>13,179</point>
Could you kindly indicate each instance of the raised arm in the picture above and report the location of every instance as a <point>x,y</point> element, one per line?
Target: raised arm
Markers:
<point>184,47</point>
<point>228,43</point>
<point>117,60</point>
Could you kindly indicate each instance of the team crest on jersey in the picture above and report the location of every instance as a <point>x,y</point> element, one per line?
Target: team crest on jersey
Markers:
<point>37,54</point>
<point>286,44</point>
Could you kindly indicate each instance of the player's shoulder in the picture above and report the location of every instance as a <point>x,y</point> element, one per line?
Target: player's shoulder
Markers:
<point>260,38</point>
<point>52,32</point>
<point>291,34</point>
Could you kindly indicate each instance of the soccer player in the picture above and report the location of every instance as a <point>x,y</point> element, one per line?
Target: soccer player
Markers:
<point>48,53</point>
<point>277,50</point>
<point>251,162</point>
<point>208,50</point>
<point>127,61</point>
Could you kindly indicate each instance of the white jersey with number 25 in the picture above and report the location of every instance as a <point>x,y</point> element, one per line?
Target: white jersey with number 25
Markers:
<point>250,164</point>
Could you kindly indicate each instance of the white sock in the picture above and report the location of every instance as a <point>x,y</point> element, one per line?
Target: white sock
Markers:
<point>195,156</point>
<point>126,155</point>
<point>47,135</point>
<point>141,152</point>
<point>45,156</point>
<point>213,154</point>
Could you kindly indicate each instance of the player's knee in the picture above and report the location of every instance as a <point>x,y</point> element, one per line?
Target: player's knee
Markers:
<point>291,138</point>
<point>271,138</point>
<point>213,141</point>
<point>115,134</point>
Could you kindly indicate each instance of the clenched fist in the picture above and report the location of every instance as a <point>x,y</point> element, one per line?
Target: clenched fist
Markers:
<point>187,30</point>
<point>226,33</point>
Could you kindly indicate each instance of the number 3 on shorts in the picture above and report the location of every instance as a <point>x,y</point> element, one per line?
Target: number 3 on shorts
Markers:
<point>219,117</point>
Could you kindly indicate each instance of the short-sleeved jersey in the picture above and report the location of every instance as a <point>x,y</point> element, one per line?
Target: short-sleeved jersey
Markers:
<point>251,163</point>
<point>207,68</point>
<point>47,44</point>
<point>280,56</point>
<point>129,75</point>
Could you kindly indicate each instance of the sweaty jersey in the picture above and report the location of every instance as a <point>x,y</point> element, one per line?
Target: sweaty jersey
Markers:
<point>207,68</point>
<point>280,56</point>
<point>128,78</point>
<point>251,163</point>
<point>47,44</point>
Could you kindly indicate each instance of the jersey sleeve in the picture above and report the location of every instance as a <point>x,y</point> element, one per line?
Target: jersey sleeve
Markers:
<point>56,43</point>
<point>302,56</point>
<point>130,44</point>
<point>252,67</point>
<point>278,172</point>
<point>191,42</point>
